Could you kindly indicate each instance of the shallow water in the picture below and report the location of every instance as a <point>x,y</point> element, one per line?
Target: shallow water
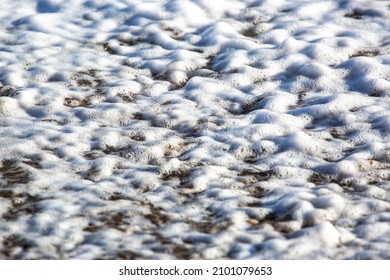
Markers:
<point>194,130</point>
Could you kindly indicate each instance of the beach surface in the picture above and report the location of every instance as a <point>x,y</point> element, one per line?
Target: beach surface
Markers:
<point>194,129</point>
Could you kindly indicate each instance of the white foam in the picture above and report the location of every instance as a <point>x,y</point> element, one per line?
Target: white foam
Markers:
<point>194,129</point>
